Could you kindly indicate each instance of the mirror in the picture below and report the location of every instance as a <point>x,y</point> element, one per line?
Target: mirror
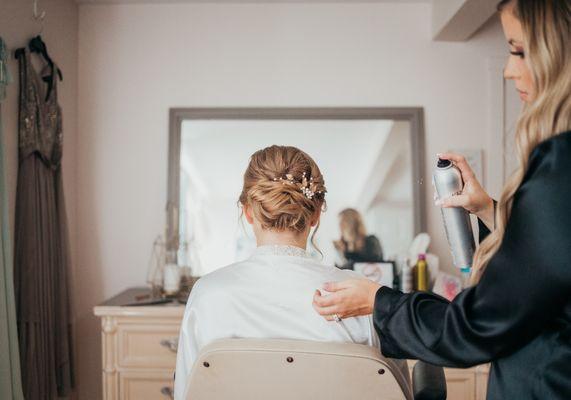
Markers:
<point>371,160</point>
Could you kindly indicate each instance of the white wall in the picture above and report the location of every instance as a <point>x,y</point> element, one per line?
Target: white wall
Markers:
<point>137,61</point>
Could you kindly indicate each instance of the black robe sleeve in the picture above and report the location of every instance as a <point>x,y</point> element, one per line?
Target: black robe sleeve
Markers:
<point>524,289</point>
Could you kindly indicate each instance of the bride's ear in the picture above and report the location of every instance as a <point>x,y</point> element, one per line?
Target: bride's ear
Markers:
<point>248,213</point>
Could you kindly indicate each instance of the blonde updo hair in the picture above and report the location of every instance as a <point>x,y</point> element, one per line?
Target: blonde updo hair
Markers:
<point>284,188</point>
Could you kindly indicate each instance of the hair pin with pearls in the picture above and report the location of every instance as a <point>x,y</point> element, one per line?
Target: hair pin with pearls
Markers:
<point>305,185</point>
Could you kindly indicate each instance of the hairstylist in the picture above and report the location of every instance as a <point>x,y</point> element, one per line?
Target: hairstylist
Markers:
<point>517,315</point>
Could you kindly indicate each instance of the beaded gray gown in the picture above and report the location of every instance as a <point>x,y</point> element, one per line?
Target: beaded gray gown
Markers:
<point>41,259</point>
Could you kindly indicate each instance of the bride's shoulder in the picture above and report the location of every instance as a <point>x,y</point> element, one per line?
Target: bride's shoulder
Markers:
<point>218,278</point>
<point>222,273</point>
<point>337,273</point>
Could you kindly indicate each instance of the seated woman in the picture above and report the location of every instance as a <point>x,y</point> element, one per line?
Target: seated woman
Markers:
<point>269,295</point>
<point>355,245</point>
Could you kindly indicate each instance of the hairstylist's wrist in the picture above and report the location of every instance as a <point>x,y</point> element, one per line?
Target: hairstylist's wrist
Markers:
<point>487,214</point>
<point>373,289</point>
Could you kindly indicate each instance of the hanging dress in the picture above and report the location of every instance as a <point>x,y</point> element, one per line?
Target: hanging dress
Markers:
<point>41,260</point>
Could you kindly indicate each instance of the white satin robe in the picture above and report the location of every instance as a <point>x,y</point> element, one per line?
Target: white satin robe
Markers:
<point>268,295</point>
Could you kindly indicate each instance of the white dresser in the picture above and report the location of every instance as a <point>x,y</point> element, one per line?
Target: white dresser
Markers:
<point>139,354</point>
<point>138,349</point>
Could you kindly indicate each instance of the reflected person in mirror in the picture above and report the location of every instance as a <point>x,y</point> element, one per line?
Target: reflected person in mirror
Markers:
<point>355,245</point>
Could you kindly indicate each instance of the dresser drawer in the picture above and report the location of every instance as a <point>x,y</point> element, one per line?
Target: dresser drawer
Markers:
<point>147,346</point>
<point>141,385</point>
<point>461,384</point>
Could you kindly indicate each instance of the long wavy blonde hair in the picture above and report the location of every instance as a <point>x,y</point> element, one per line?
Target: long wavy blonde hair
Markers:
<point>546,26</point>
<point>353,229</point>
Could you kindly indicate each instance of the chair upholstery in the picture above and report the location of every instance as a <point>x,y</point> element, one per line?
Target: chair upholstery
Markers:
<point>252,369</point>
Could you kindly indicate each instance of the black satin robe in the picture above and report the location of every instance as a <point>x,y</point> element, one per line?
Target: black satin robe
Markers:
<point>518,317</point>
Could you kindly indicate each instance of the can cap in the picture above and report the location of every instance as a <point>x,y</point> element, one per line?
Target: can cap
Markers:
<point>422,256</point>
<point>443,163</point>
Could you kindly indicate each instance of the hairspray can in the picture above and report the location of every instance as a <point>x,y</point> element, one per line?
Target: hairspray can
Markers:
<point>448,182</point>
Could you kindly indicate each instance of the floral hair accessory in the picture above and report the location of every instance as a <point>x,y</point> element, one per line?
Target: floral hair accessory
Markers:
<point>307,187</point>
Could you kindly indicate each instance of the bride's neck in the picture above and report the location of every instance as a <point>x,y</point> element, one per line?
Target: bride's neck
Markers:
<point>270,238</point>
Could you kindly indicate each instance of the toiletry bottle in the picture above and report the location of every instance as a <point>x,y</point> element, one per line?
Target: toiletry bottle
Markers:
<point>421,274</point>
<point>406,278</point>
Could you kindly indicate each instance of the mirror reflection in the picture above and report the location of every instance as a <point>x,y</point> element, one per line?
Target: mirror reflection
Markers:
<point>367,169</point>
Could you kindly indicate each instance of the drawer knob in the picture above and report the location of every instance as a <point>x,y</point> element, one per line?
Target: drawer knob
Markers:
<point>171,344</point>
<point>167,391</point>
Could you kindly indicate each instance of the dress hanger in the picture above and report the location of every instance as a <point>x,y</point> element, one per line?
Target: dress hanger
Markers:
<point>38,16</point>
<point>37,45</point>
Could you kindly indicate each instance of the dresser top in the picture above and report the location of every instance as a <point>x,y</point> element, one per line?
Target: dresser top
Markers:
<point>137,302</point>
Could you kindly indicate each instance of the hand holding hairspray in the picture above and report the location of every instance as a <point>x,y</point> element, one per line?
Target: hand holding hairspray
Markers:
<point>448,182</point>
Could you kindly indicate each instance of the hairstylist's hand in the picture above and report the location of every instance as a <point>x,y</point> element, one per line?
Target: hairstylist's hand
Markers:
<point>346,299</point>
<point>473,198</point>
